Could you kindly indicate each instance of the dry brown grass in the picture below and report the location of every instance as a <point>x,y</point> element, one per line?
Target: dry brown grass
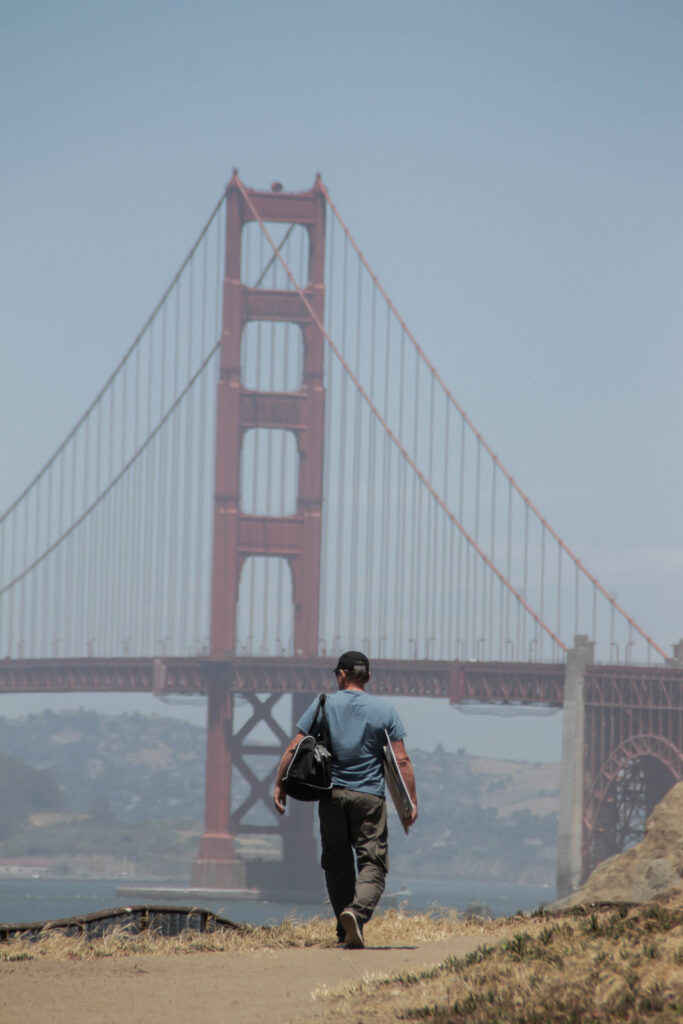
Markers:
<point>384,930</point>
<point>602,967</point>
<point>595,966</point>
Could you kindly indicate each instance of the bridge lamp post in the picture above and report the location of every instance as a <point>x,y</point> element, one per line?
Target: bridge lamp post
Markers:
<point>511,644</point>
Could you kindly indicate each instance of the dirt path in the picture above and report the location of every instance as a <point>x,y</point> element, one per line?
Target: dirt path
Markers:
<point>266,987</point>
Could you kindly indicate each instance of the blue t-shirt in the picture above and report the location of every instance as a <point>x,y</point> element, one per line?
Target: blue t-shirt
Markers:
<point>357,722</point>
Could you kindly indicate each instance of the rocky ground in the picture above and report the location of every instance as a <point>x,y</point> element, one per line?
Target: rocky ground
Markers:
<point>646,871</point>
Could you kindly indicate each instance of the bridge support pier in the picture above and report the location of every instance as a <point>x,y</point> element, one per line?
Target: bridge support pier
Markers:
<point>216,866</point>
<point>569,856</point>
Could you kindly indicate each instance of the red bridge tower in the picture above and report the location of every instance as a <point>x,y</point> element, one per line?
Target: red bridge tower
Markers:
<point>238,535</point>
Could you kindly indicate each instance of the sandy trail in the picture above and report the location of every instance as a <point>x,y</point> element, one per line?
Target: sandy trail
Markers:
<point>265,987</point>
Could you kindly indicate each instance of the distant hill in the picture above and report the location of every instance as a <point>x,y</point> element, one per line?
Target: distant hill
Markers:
<point>481,819</point>
<point>127,792</point>
<point>23,791</point>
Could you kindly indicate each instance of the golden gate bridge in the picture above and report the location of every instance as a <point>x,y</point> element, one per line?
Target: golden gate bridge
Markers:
<point>275,472</point>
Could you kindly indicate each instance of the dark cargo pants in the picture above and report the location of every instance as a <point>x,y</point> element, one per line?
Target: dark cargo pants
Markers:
<point>351,821</point>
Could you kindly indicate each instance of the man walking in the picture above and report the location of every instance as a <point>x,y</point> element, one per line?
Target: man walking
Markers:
<point>354,818</point>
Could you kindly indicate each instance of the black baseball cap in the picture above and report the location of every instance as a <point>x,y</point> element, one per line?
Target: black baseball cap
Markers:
<point>352,660</point>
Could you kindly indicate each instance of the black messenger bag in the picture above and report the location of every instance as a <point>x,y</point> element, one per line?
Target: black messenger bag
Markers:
<point>309,773</point>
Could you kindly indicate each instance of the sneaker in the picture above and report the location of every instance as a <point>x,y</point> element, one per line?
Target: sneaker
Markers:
<point>354,931</point>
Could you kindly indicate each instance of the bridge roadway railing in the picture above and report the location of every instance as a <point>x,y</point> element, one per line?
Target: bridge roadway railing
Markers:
<point>456,681</point>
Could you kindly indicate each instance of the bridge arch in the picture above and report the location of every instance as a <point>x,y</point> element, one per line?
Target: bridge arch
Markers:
<point>630,783</point>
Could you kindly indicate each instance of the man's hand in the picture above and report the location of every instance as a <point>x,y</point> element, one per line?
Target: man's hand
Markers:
<point>279,799</point>
<point>409,822</point>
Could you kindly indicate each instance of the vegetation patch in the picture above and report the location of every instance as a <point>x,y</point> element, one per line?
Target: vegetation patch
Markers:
<point>595,965</point>
<point>601,966</point>
<point>394,927</point>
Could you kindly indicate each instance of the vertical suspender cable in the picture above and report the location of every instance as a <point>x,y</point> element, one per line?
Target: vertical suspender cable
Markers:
<point>475,561</point>
<point>370,490</point>
<point>340,488</point>
<point>559,590</point>
<point>148,571</point>
<point>611,632</point>
<point>94,543</point>
<point>430,606</point>
<point>22,595</point>
<point>22,601</point>
<point>14,547</point>
<point>202,446</point>
<point>70,545</point>
<point>190,524</point>
<point>492,556</point>
<point>445,622</point>
<point>33,629</point>
<point>173,478</point>
<point>576,600</point>
<point>523,652</point>
<point>327,506</point>
<point>384,539</point>
<point>415,558</point>
<point>134,609</point>
<point>542,599</point>
<point>466,630</point>
<point>162,502</point>
<point>402,537</point>
<point>123,538</point>
<point>46,530</point>
<point>86,597</point>
<point>508,638</point>
<point>354,507</point>
<point>460,636</point>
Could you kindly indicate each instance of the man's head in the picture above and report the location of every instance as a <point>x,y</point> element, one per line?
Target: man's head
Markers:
<point>352,667</point>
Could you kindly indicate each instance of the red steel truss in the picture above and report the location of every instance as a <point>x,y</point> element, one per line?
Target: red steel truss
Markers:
<point>458,682</point>
<point>633,753</point>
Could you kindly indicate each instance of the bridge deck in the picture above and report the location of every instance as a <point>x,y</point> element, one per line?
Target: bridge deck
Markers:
<point>458,682</point>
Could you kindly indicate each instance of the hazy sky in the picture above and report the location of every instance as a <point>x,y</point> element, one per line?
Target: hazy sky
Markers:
<point>512,171</point>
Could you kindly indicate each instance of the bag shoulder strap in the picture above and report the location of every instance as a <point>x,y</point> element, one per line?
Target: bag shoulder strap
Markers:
<point>325,729</point>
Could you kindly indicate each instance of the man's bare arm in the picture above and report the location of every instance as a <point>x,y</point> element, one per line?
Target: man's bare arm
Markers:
<point>405,766</point>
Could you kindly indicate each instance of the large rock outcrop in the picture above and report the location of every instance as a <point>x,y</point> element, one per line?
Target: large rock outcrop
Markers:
<point>646,871</point>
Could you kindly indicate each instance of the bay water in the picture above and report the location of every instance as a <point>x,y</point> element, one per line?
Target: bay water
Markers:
<point>43,899</point>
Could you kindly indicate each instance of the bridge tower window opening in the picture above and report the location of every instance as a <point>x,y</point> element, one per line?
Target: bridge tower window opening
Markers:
<point>269,468</point>
<point>260,268</point>
<point>265,608</point>
<point>272,356</point>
